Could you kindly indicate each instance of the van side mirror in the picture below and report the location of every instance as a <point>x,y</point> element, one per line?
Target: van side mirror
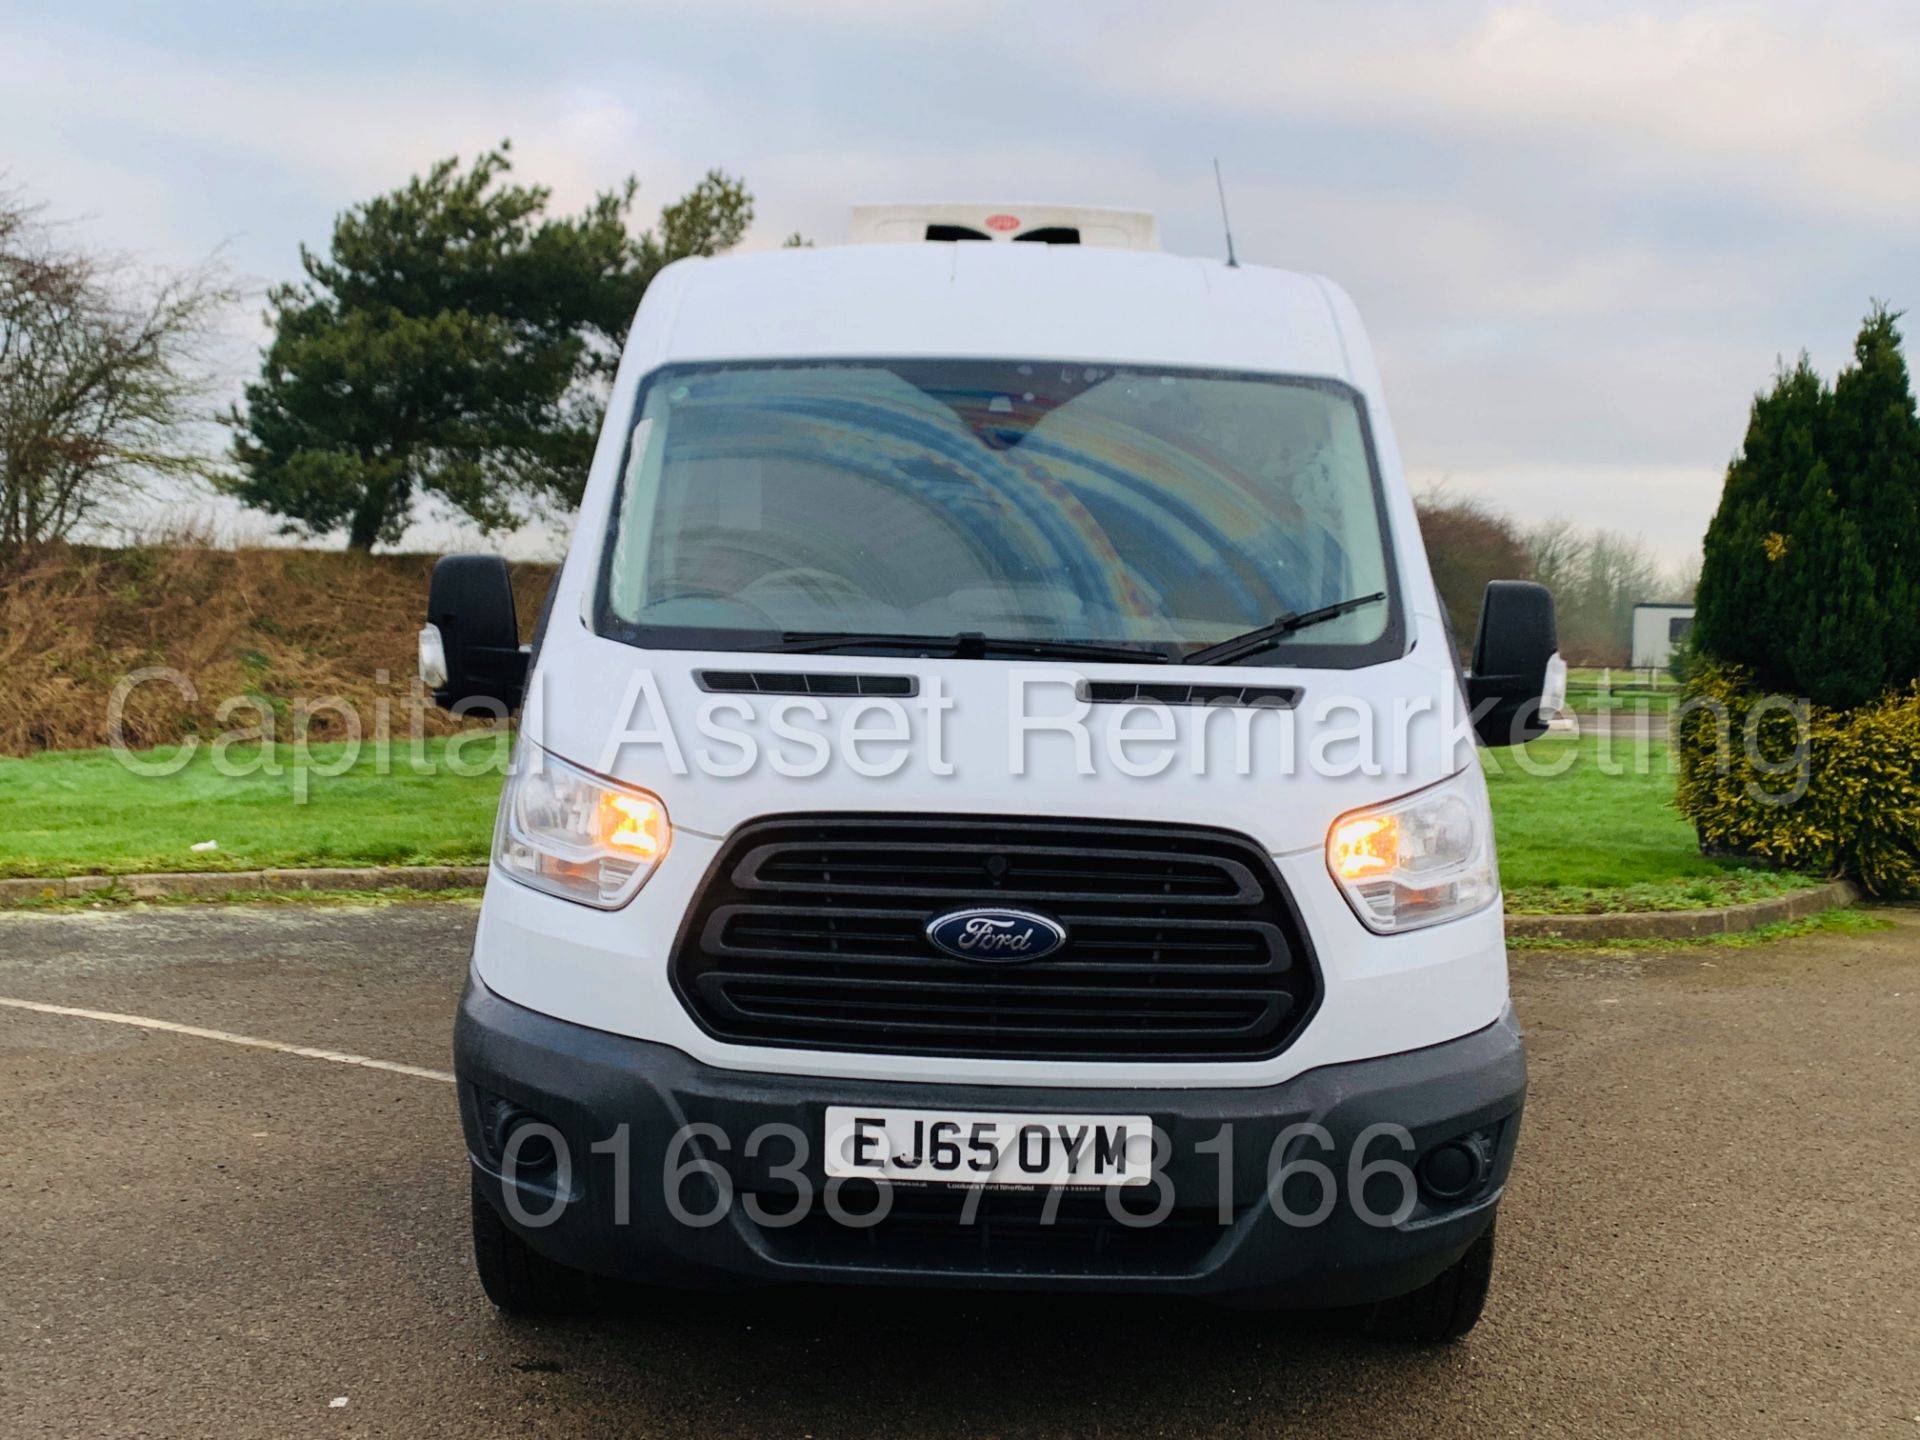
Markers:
<point>470,650</point>
<point>1515,654</point>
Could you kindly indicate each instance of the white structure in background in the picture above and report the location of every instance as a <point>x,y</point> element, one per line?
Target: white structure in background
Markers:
<point>1038,224</point>
<point>1656,630</point>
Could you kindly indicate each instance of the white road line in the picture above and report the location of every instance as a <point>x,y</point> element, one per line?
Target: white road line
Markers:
<point>143,1022</point>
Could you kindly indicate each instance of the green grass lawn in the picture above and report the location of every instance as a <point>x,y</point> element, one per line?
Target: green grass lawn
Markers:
<point>1653,702</point>
<point>82,812</point>
<point>1594,688</point>
<point>1573,838</point>
<point>1578,838</point>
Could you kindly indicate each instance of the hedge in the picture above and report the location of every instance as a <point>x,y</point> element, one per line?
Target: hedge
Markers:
<point>1809,787</point>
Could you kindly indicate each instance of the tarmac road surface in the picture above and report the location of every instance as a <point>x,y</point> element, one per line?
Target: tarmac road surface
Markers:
<point>1713,1227</point>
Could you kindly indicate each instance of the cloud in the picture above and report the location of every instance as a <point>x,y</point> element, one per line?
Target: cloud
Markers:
<point>1792,103</point>
<point>1581,231</point>
<point>334,134</point>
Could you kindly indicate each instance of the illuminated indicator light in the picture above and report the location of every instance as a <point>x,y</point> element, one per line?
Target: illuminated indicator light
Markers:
<point>634,825</point>
<point>1003,222</point>
<point>1365,845</point>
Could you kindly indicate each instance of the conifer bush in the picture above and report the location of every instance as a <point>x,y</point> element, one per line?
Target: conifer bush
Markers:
<point>1799,730</point>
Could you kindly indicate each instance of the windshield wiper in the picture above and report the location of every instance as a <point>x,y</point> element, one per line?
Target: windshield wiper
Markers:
<point>1230,650</point>
<point>968,645</point>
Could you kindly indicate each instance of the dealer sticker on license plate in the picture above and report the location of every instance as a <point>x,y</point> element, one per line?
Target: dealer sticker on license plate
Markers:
<point>954,1147</point>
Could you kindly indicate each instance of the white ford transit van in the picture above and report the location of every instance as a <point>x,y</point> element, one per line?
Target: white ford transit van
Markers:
<point>995,804</point>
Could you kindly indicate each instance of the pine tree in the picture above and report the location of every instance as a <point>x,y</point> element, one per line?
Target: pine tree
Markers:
<point>1876,430</point>
<point>455,340</point>
<point>1811,569</point>
<point>1736,619</point>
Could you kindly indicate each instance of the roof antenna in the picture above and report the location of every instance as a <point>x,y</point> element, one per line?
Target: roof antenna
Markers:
<point>1225,223</point>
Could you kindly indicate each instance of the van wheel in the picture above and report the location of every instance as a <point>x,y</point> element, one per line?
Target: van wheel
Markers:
<point>517,1278</point>
<point>1443,1309</point>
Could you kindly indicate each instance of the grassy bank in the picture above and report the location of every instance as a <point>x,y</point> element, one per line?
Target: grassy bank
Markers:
<point>1582,826</point>
<point>197,627</point>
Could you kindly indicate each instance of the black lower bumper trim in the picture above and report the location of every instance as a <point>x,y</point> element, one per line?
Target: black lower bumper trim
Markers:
<point>673,1172</point>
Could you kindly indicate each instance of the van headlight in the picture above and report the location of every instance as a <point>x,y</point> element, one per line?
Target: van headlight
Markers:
<point>1417,861</point>
<point>576,835</point>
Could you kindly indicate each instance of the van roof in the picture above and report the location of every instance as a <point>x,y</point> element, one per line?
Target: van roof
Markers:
<point>1013,301</point>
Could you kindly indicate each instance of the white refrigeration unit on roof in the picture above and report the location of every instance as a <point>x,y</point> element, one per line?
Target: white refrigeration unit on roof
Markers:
<point>1034,224</point>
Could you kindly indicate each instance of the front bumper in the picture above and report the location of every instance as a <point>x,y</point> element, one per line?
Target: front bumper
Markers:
<point>672,1172</point>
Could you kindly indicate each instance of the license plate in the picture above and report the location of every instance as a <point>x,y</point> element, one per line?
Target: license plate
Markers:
<point>956,1147</point>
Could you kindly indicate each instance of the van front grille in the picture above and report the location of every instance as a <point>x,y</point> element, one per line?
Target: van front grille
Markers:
<point>810,932</point>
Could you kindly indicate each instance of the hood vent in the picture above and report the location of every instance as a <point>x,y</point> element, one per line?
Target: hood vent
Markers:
<point>1126,692</point>
<point>798,682</point>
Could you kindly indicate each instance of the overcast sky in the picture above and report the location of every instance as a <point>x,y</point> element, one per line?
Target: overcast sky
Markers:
<point>1581,233</point>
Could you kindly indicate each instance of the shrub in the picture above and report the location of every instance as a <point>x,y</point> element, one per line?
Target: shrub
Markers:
<point>1807,786</point>
<point>1681,659</point>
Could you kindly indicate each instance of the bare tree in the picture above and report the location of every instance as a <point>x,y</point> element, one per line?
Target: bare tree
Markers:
<point>1558,551</point>
<point>1683,580</point>
<point>103,377</point>
<point>1469,542</point>
<point>1596,577</point>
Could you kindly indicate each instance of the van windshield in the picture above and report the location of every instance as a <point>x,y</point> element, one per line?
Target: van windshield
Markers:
<point>1028,500</point>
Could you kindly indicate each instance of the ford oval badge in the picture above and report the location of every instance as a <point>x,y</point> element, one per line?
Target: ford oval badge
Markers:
<point>996,937</point>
